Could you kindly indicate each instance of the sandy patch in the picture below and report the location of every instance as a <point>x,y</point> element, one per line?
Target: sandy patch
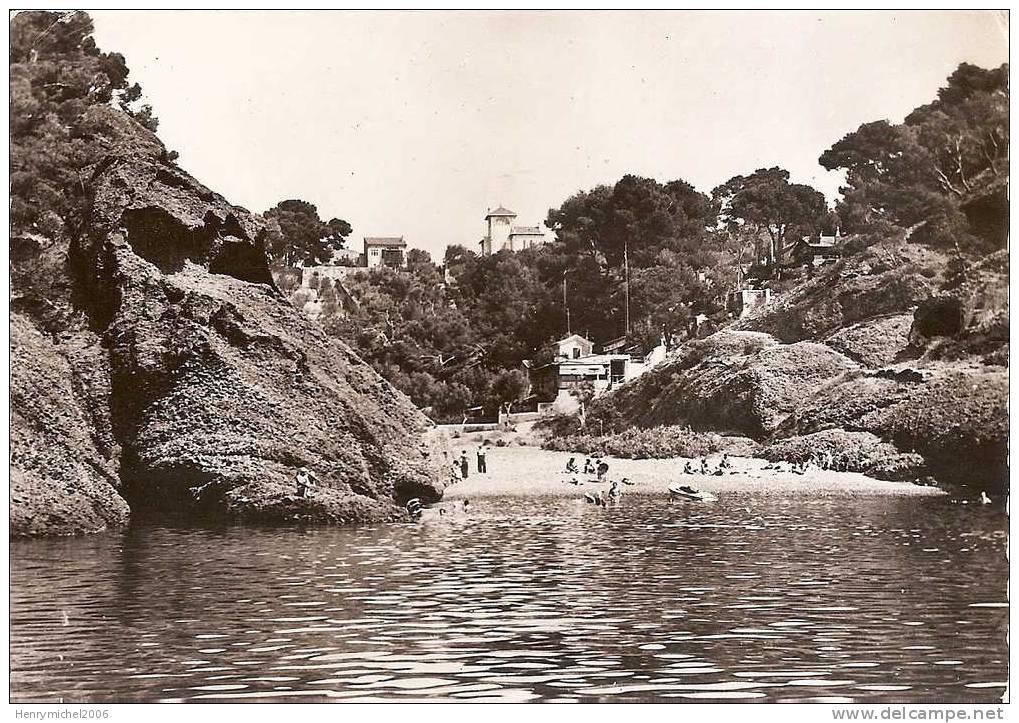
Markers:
<point>529,471</point>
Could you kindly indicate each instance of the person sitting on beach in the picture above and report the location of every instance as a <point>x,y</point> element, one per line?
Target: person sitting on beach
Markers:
<point>602,468</point>
<point>571,466</point>
<point>305,479</point>
<point>588,466</point>
<point>725,461</point>
<point>704,465</point>
<point>688,468</point>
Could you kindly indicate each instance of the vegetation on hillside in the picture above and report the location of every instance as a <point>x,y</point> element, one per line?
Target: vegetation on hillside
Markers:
<point>57,78</point>
<point>925,204</point>
<point>653,443</point>
<point>298,236</point>
<point>642,258</point>
<point>892,361</point>
<point>641,251</point>
<point>944,168</point>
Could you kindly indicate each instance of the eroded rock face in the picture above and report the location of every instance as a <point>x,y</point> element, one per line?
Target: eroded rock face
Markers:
<point>881,362</point>
<point>955,416</point>
<point>64,465</point>
<point>733,381</point>
<point>885,279</point>
<point>217,391</point>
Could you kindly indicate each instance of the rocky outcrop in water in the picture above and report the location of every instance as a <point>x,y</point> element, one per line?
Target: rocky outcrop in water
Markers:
<point>890,363</point>
<point>156,366</point>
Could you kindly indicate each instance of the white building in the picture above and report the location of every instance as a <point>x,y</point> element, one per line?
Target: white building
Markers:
<point>378,251</point>
<point>385,251</point>
<point>573,346</point>
<point>502,235</point>
<point>575,364</point>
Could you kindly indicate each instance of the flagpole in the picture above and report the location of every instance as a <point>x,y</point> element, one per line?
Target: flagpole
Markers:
<point>626,271</point>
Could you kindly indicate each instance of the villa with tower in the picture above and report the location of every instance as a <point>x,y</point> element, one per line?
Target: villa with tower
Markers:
<point>504,236</point>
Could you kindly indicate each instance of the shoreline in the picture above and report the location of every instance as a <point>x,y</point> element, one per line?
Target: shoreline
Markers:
<point>533,472</point>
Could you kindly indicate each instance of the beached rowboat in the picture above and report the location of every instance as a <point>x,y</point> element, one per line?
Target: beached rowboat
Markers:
<point>689,493</point>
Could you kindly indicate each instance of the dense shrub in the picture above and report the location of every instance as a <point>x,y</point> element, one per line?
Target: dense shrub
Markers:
<point>557,425</point>
<point>656,442</point>
<point>843,451</point>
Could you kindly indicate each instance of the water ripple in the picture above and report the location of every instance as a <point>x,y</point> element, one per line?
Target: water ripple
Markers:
<point>782,599</point>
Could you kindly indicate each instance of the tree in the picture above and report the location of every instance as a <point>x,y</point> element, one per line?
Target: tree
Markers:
<point>58,78</point>
<point>420,262</point>
<point>302,236</point>
<point>584,394</point>
<point>337,231</point>
<point>637,215</point>
<point>509,387</point>
<point>946,157</point>
<point>604,233</point>
<point>766,203</point>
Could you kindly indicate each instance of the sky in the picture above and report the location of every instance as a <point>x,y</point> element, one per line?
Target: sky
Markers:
<point>414,124</point>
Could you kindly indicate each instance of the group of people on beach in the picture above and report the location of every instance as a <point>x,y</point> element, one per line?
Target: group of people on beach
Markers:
<point>592,466</point>
<point>595,469</point>
<point>705,469</point>
<point>460,468</point>
<point>603,498</point>
<point>799,467</point>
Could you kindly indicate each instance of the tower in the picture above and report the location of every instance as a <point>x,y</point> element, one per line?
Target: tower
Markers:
<point>499,221</point>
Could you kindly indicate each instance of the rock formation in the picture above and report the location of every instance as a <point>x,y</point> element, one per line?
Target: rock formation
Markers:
<point>889,362</point>
<point>156,367</point>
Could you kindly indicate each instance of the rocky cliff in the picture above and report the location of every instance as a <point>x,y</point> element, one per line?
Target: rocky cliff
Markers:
<point>156,370</point>
<point>891,362</point>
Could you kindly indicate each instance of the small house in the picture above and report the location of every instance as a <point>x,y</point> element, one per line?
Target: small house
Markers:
<point>573,346</point>
<point>388,251</point>
<point>814,251</point>
<point>575,366</point>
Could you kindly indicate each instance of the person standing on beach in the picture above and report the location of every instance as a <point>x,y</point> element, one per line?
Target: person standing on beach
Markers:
<point>482,462</point>
<point>464,466</point>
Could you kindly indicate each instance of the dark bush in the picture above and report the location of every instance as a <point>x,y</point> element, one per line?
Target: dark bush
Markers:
<point>653,443</point>
<point>939,316</point>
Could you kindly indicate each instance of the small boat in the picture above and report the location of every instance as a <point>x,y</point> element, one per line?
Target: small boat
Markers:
<point>684,492</point>
<point>420,513</point>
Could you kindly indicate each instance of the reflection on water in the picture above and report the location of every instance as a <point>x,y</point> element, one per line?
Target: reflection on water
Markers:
<point>752,598</point>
